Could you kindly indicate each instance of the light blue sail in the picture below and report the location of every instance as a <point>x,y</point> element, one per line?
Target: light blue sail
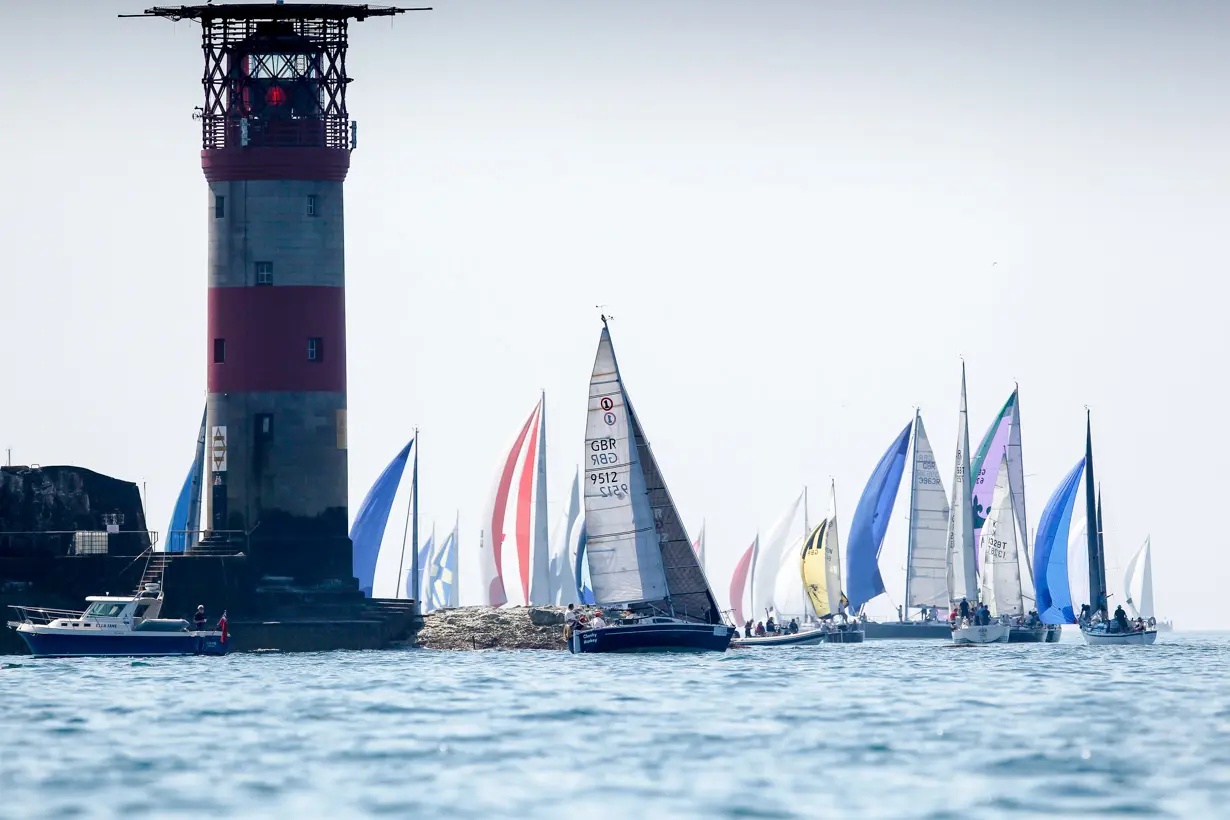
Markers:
<point>1051,551</point>
<point>186,517</point>
<point>367,532</point>
<point>442,574</point>
<point>585,588</point>
<point>871,516</point>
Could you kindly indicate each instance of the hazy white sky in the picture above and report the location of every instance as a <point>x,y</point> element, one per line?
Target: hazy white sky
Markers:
<point>800,213</point>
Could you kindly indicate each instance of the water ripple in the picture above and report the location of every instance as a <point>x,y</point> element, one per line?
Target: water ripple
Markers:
<point>878,730</point>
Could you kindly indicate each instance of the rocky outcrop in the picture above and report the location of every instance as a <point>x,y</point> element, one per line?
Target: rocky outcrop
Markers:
<point>480,627</point>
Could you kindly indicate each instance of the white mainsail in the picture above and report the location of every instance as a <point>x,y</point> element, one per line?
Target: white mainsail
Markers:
<point>621,547</point>
<point>1138,582</point>
<point>1001,569</point>
<point>926,580</point>
<point>774,548</point>
<point>962,571</point>
<point>832,551</point>
<point>562,569</point>
<point>1016,486</point>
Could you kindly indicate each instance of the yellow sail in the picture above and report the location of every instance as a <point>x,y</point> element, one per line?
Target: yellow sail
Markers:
<point>815,572</point>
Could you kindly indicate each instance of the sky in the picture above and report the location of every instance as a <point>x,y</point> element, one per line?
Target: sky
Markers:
<point>802,216</point>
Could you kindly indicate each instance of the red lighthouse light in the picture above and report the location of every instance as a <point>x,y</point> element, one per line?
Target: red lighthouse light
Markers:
<point>276,95</point>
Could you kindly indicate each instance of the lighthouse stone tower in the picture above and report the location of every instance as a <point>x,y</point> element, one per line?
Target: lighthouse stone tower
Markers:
<point>276,145</point>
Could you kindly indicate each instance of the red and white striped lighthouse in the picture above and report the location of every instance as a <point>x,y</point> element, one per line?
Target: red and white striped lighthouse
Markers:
<point>276,145</point>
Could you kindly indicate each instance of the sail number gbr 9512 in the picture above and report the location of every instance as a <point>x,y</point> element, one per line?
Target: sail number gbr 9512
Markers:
<point>602,453</point>
<point>608,484</point>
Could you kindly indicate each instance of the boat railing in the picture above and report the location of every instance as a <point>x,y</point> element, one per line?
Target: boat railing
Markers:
<point>42,615</point>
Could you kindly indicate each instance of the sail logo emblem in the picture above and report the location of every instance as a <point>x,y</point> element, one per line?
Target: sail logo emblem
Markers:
<point>217,451</point>
<point>609,418</point>
<point>606,403</point>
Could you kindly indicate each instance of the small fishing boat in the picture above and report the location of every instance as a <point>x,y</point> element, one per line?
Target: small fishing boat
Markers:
<point>640,557</point>
<point>126,626</point>
<point>1098,626</point>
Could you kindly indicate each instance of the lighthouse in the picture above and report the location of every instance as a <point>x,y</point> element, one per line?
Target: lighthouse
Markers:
<point>276,144</point>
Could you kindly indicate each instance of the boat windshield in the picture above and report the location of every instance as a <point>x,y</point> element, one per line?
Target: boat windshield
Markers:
<point>106,609</point>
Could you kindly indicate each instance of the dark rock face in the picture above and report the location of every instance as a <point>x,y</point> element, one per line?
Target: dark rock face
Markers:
<point>480,627</point>
<point>36,502</point>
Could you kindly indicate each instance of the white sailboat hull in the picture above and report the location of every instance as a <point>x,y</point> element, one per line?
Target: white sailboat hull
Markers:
<point>1097,637</point>
<point>992,633</point>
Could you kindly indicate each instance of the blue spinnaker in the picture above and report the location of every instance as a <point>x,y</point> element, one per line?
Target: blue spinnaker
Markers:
<point>442,573</point>
<point>1051,551</point>
<point>875,506</point>
<point>367,532</point>
<point>585,588</point>
<point>177,532</point>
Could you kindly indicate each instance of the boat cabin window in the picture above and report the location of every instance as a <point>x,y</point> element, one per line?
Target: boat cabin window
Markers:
<point>106,609</point>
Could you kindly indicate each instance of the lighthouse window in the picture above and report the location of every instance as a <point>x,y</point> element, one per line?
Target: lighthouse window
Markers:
<point>219,351</point>
<point>264,426</point>
<point>219,206</point>
<point>264,273</point>
<point>311,205</point>
<point>316,349</point>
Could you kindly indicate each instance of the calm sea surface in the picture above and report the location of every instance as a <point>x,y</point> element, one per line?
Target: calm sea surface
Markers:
<point>885,729</point>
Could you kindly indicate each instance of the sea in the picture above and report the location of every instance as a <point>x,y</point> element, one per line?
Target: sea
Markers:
<point>882,729</point>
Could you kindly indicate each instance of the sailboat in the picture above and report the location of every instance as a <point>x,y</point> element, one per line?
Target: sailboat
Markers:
<point>776,555</point>
<point>1138,584</point>
<point>806,569</point>
<point>385,564</point>
<point>1098,627</point>
<point>962,569</point>
<point>641,561</point>
<point>926,585</point>
<point>515,555</point>
<point>820,568</point>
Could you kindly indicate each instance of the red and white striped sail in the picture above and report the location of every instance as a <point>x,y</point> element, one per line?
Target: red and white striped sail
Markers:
<point>515,552</point>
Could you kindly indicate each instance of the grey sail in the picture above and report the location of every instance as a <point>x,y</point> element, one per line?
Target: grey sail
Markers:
<point>689,595</point>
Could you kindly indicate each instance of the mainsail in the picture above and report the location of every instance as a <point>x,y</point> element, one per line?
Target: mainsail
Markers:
<point>774,551</point>
<point>926,574</point>
<point>378,553</point>
<point>1001,569</point>
<point>184,530</point>
<point>699,545</point>
<point>1138,583</point>
<point>562,565</point>
<point>625,564</point>
<point>637,548</point>
<point>962,572</point>
<point>832,552</point>
<point>515,560</point>
<point>871,516</point>
<point>1050,558</point>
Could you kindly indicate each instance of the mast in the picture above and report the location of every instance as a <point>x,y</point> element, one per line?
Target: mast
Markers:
<point>1102,551</point>
<point>401,560</point>
<point>909,544</point>
<point>414,528</point>
<point>1097,594</point>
